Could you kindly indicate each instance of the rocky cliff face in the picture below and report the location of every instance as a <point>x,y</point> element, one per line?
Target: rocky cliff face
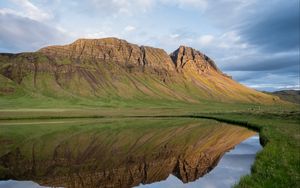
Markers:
<point>188,58</point>
<point>112,50</point>
<point>113,68</point>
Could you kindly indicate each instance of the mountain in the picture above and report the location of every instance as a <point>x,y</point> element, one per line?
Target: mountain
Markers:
<point>113,69</point>
<point>292,96</point>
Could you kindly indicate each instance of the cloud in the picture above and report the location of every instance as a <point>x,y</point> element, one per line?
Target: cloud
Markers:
<point>118,8</point>
<point>206,39</point>
<point>28,10</point>
<point>262,61</point>
<point>94,35</point>
<point>275,28</point>
<point>126,6</point>
<point>231,40</point>
<point>194,4</point>
<point>174,36</point>
<point>274,87</point>
<point>129,28</point>
<point>266,80</point>
<point>122,7</point>
<point>23,34</point>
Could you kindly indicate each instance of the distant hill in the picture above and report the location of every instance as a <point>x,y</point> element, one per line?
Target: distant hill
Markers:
<point>112,69</point>
<point>287,95</point>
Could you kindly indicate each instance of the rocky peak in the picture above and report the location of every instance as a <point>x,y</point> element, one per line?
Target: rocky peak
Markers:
<point>186,58</point>
<point>131,55</point>
<point>105,49</point>
<point>112,50</point>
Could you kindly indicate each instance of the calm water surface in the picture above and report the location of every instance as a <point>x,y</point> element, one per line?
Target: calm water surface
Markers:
<point>124,153</point>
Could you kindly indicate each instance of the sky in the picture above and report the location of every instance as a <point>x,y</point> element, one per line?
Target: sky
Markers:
<point>255,41</point>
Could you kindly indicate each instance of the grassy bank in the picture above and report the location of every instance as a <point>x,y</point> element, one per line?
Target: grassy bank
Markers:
<point>278,165</point>
<point>153,108</point>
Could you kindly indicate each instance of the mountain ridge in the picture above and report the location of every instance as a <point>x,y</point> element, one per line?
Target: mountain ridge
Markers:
<point>111,68</point>
<point>292,96</point>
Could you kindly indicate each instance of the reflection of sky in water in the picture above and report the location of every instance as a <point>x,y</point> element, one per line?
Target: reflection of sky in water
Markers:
<point>18,184</point>
<point>232,166</point>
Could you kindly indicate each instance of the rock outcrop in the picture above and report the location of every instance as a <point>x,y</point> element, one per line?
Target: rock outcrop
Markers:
<point>189,58</point>
<point>112,50</point>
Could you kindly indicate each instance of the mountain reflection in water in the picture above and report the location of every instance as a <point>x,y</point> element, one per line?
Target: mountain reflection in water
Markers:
<point>116,152</point>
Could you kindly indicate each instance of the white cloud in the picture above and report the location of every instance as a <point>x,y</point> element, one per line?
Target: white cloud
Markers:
<point>123,7</point>
<point>99,34</point>
<point>231,40</point>
<point>199,4</point>
<point>206,39</point>
<point>29,10</point>
<point>4,11</point>
<point>274,86</point>
<point>129,28</point>
<point>174,36</point>
<point>132,7</point>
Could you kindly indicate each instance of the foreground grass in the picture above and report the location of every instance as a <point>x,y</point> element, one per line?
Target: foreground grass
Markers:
<point>133,108</point>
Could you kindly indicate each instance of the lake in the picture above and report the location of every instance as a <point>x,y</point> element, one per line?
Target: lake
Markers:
<point>124,152</point>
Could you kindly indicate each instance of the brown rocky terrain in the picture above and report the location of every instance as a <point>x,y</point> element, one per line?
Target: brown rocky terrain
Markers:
<point>112,50</point>
<point>113,69</point>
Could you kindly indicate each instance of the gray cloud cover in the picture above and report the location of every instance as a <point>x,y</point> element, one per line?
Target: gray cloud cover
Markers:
<point>20,34</point>
<point>274,28</point>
